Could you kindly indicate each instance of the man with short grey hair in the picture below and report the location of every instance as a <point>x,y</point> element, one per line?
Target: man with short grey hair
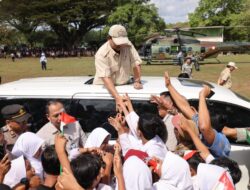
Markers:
<point>72,131</point>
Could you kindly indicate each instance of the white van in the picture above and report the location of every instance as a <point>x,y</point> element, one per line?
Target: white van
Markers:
<point>92,104</point>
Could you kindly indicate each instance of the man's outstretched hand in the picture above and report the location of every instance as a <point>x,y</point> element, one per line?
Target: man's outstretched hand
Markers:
<point>205,91</point>
<point>167,79</point>
<point>138,85</point>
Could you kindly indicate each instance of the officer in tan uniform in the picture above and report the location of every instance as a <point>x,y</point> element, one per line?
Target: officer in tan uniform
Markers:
<point>16,119</point>
<point>225,76</point>
<point>115,60</point>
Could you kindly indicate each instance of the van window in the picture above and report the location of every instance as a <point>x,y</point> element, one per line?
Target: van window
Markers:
<point>36,107</point>
<point>226,114</point>
<point>95,113</point>
<point>90,113</point>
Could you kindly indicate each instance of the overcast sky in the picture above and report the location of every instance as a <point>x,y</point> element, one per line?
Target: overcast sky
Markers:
<point>173,11</point>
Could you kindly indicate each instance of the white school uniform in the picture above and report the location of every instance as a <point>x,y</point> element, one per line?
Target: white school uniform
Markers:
<point>137,175</point>
<point>154,147</point>
<point>175,174</point>
<point>96,138</point>
<point>16,172</point>
<point>212,177</point>
<point>27,145</point>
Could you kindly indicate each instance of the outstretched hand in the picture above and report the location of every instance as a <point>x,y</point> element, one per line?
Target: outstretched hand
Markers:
<point>118,103</point>
<point>5,165</point>
<point>138,85</point>
<point>118,123</point>
<point>156,100</point>
<point>60,143</point>
<point>205,91</point>
<point>128,102</point>
<point>167,79</point>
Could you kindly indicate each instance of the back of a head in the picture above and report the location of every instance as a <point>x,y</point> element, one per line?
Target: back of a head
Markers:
<point>184,75</point>
<point>4,187</point>
<point>50,161</point>
<point>166,94</point>
<point>151,125</point>
<point>231,165</point>
<point>195,160</point>
<point>86,168</point>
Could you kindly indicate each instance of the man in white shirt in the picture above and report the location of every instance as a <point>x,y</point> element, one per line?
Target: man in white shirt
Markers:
<point>43,61</point>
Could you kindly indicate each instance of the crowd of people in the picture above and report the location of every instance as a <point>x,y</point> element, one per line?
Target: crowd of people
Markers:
<point>176,149</point>
<point>50,52</point>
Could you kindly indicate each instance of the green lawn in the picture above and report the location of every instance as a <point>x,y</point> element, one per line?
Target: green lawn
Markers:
<point>210,69</point>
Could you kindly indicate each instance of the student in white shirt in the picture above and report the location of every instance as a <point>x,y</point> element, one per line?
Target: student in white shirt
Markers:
<point>147,133</point>
<point>174,173</point>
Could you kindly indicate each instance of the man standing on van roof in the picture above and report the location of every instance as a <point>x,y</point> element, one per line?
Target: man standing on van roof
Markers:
<point>114,61</point>
<point>225,76</point>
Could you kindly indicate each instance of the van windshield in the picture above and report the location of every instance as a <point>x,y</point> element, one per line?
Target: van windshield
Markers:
<point>194,83</point>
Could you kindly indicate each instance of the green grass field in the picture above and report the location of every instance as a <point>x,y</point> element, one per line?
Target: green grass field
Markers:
<point>210,69</point>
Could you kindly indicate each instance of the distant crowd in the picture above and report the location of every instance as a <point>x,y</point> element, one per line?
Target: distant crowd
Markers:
<point>50,52</point>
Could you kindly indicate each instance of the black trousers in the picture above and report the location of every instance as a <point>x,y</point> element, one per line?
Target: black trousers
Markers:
<point>44,67</point>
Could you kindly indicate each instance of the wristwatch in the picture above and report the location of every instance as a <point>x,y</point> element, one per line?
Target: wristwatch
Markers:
<point>26,182</point>
<point>137,81</point>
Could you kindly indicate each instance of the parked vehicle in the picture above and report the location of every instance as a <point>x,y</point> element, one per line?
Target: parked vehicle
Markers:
<point>92,104</point>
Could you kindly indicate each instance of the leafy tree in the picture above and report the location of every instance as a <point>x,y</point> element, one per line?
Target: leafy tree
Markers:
<point>8,37</point>
<point>139,19</point>
<point>70,20</point>
<point>215,12</point>
<point>240,23</point>
<point>19,14</point>
<point>228,13</point>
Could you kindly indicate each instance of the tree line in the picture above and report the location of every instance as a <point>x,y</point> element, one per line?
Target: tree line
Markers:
<point>66,22</point>
<point>233,14</point>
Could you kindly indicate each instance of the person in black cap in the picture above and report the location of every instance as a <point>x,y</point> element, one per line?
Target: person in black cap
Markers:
<point>16,119</point>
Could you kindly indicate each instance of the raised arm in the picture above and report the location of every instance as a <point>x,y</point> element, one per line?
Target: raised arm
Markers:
<point>117,167</point>
<point>137,77</point>
<point>179,100</point>
<point>204,117</point>
<point>60,143</point>
<point>111,88</point>
<point>204,152</point>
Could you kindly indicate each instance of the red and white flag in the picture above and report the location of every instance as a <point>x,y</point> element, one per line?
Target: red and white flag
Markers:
<point>66,119</point>
<point>224,183</point>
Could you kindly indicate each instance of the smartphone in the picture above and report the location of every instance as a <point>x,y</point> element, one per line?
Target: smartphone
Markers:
<point>211,94</point>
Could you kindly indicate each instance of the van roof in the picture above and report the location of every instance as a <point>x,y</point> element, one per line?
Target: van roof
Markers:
<point>75,87</point>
